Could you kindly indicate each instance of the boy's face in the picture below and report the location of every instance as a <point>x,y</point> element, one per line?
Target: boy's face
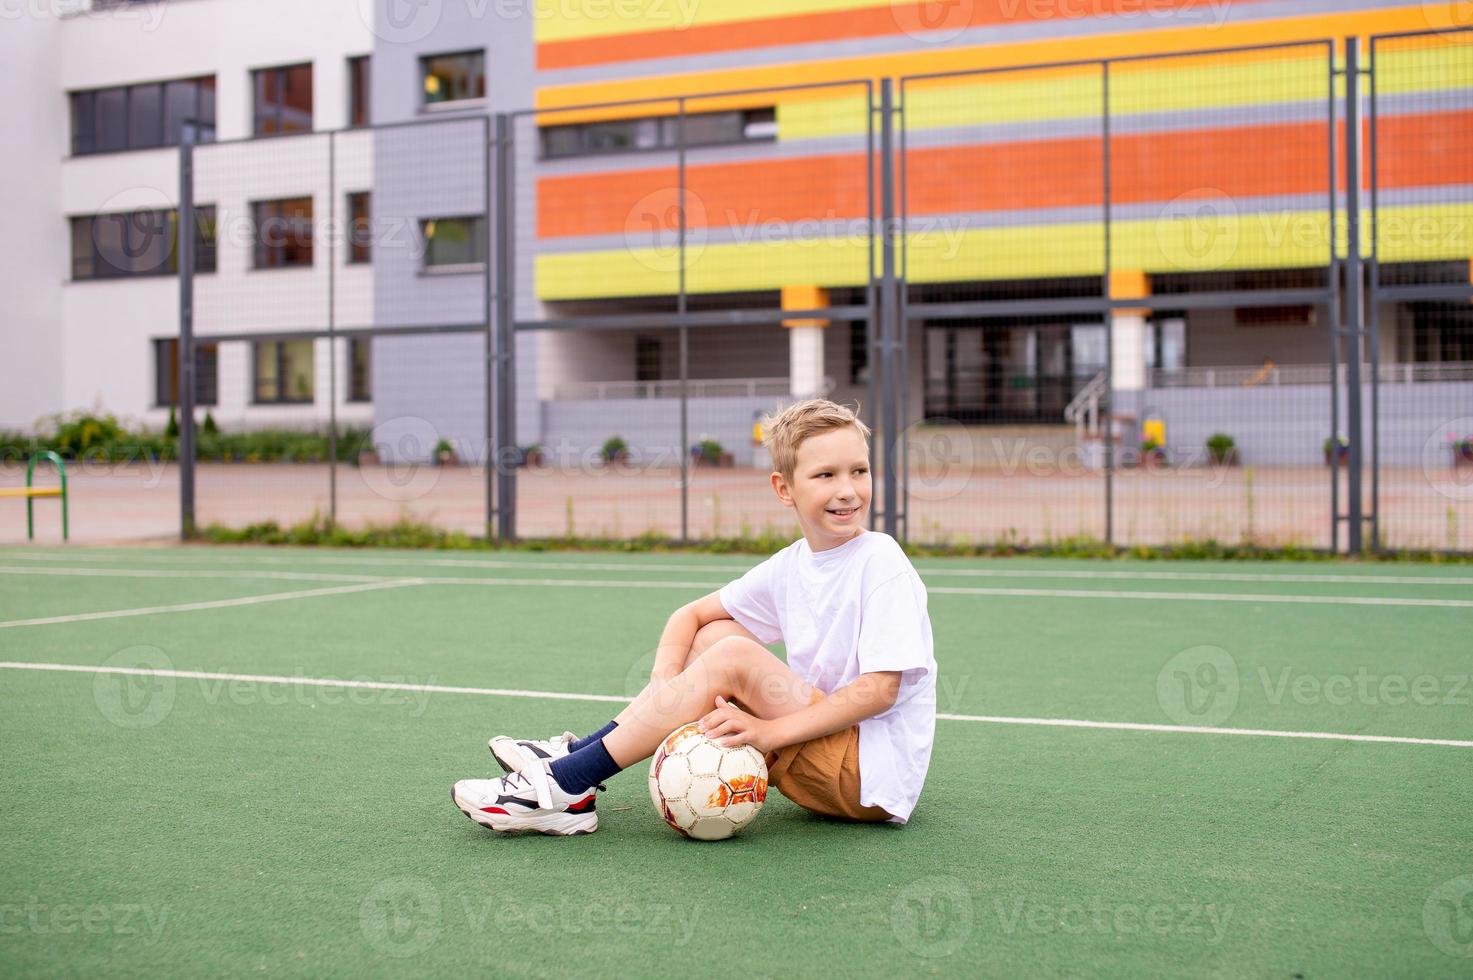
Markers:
<point>830,489</point>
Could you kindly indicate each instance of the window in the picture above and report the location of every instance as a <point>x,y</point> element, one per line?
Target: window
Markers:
<point>360,385</point>
<point>453,242</point>
<point>453,77</point>
<point>661,132</point>
<point>358,92</point>
<point>283,233</point>
<point>139,117</point>
<point>858,353</point>
<point>646,359</point>
<point>283,100</point>
<point>360,229</point>
<point>283,372</point>
<point>138,243</point>
<point>166,373</point>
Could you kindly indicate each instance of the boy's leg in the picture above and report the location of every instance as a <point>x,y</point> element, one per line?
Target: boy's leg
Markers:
<point>706,637</point>
<point>558,797</point>
<point>733,667</point>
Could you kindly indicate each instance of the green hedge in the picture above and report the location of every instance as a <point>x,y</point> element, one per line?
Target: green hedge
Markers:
<point>407,533</point>
<point>102,439</point>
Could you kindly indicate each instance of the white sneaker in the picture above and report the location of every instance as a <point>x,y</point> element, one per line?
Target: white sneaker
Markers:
<point>529,800</point>
<point>514,754</point>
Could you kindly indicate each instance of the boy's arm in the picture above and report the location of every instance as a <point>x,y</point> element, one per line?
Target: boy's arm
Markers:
<point>868,695</point>
<point>680,632</point>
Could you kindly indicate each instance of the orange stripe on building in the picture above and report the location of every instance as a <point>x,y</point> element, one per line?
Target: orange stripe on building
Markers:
<point>1246,161</point>
<point>897,18</point>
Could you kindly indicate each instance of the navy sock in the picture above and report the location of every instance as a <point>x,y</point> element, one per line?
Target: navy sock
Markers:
<point>587,740</point>
<point>586,767</point>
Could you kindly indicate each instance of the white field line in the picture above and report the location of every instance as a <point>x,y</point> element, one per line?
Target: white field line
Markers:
<point>211,604</point>
<point>735,569</point>
<point>609,698</point>
<point>1200,730</point>
<point>1322,600</point>
<point>1325,600</point>
<point>313,682</point>
<point>193,573</point>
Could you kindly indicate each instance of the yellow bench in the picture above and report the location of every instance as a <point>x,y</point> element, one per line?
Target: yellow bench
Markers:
<point>30,493</point>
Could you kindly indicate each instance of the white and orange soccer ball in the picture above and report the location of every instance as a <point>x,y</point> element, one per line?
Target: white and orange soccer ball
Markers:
<point>703,790</point>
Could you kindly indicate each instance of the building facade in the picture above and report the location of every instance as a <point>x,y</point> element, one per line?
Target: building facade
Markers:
<point>343,177</point>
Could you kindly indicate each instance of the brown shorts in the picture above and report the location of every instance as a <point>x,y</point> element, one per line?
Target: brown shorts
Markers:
<point>822,775</point>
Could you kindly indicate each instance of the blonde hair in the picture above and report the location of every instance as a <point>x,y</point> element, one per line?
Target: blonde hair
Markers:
<point>784,432</point>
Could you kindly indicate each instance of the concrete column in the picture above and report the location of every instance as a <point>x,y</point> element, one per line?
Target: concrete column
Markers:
<point>805,340</point>
<point>1128,332</point>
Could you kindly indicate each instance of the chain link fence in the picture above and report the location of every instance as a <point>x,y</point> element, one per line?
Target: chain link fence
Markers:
<point>1112,300</point>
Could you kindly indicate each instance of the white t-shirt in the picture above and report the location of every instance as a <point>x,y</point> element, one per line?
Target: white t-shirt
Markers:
<point>847,611</point>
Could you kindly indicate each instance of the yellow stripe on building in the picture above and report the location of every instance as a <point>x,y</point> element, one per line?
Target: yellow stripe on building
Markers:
<point>932,59</point>
<point>570,20</point>
<point>1200,243</point>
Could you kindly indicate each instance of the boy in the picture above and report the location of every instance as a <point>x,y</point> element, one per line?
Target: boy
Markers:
<point>846,724</point>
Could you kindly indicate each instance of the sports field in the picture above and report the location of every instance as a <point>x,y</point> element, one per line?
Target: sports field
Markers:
<point>238,762</point>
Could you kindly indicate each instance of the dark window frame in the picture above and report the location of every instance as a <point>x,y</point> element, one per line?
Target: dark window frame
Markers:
<point>360,383</point>
<point>477,238</point>
<point>360,228</point>
<point>262,252</point>
<point>360,91</point>
<point>206,373</point>
<point>258,114</point>
<point>82,104</point>
<point>427,104</point>
<point>95,265</point>
<point>583,135</point>
<point>281,398</point>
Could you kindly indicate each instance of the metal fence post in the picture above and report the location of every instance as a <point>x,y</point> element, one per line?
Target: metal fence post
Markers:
<point>491,133</point>
<point>1373,312</point>
<point>1109,412</point>
<point>871,292</point>
<point>184,233</point>
<point>889,417</point>
<point>1354,327</point>
<point>332,341</point>
<point>502,346</point>
<point>681,306</point>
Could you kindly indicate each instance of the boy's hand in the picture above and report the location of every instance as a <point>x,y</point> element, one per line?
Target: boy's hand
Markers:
<point>730,726</point>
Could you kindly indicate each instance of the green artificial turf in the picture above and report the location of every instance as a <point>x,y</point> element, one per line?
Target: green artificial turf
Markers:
<point>168,826</point>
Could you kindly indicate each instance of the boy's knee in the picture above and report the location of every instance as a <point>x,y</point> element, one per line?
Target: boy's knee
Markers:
<point>714,632</point>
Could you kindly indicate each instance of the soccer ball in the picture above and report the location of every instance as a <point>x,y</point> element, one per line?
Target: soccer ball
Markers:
<point>703,790</point>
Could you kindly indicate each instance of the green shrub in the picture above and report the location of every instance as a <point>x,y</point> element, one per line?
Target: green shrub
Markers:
<point>1220,446</point>
<point>614,448</point>
<point>710,450</point>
